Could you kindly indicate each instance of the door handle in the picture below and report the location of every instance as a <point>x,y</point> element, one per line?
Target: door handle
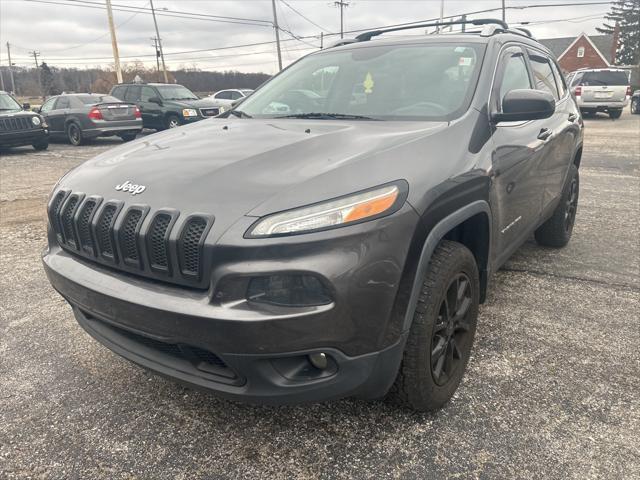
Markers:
<point>545,133</point>
<point>572,117</point>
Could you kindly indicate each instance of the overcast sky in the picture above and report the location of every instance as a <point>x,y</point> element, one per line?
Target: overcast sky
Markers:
<point>69,34</point>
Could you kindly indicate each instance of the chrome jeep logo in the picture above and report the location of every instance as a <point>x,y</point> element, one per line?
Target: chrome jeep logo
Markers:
<point>132,188</point>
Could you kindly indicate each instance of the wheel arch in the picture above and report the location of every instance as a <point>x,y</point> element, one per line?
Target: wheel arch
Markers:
<point>470,225</point>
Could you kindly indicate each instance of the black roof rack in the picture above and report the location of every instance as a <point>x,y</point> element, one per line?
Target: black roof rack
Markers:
<point>363,37</point>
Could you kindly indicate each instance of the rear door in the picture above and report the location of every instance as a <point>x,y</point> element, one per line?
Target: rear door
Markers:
<point>561,126</point>
<point>604,86</point>
<point>517,160</point>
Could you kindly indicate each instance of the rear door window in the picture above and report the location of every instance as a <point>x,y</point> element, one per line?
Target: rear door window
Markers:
<point>48,105</point>
<point>133,94</point>
<point>609,78</point>
<point>560,82</point>
<point>118,92</point>
<point>542,74</point>
<point>223,95</point>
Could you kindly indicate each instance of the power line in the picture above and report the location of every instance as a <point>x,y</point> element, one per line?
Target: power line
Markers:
<point>164,13</point>
<point>306,18</point>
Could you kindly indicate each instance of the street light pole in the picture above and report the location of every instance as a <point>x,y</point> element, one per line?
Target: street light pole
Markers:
<point>114,42</point>
<point>155,22</point>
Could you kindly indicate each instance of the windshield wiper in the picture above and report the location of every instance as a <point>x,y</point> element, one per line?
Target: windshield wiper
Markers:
<point>328,116</point>
<point>15,108</point>
<point>240,114</point>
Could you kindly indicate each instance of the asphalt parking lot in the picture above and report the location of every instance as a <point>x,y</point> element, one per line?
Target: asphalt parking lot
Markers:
<point>552,390</point>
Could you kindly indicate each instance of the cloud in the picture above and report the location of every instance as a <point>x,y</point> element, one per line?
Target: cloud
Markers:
<point>73,35</point>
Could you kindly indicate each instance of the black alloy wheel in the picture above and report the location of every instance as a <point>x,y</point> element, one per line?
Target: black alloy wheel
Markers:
<point>450,332</point>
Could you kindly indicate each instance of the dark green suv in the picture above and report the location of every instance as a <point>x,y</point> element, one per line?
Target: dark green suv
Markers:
<point>165,105</point>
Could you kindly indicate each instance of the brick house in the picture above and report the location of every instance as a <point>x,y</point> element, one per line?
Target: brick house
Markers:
<point>583,51</point>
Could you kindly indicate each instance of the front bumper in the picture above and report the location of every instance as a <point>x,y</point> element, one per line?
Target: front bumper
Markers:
<point>23,137</point>
<point>260,354</point>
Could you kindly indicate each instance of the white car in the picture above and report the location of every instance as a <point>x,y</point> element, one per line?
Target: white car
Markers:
<point>601,90</point>
<point>227,98</point>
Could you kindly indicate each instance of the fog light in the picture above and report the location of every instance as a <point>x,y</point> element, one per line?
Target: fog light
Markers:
<point>318,360</point>
<point>288,290</point>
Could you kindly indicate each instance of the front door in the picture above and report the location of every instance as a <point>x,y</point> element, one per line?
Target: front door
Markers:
<point>520,147</point>
<point>151,112</point>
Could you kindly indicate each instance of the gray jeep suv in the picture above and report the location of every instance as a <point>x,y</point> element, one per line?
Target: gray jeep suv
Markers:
<point>308,247</point>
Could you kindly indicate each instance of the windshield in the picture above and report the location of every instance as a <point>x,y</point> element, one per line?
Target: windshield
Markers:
<point>93,99</point>
<point>605,78</point>
<point>176,92</point>
<point>8,103</point>
<point>383,82</point>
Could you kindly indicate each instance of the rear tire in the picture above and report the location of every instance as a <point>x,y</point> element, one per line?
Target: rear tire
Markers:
<point>556,232</point>
<point>127,137</point>
<point>41,145</point>
<point>615,114</point>
<point>441,335</point>
<point>74,134</point>
<point>634,105</point>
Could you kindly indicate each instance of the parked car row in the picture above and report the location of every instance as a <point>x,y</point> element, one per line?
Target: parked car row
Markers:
<point>128,108</point>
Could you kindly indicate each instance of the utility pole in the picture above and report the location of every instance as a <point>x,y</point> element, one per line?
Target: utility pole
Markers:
<point>1,80</point>
<point>114,43</point>
<point>277,29</point>
<point>441,15</point>
<point>13,83</point>
<point>155,23</point>
<point>321,40</point>
<point>341,4</point>
<point>503,12</point>
<point>155,45</point>
<point>35,56</point>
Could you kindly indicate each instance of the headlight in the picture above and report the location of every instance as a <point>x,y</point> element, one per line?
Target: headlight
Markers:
<point>189,112</point>
<point>338,212</point>
<point>221,110</point>
<point>36,121</point>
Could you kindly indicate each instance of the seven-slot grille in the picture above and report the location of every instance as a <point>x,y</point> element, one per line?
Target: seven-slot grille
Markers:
<point>13,124</point>
<point>210,111</point>
<point>131,238</point>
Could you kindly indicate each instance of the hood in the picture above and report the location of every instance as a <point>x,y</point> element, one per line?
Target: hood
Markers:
<point>199,103</point>
<point>17,113</point>
<point>234,167</point>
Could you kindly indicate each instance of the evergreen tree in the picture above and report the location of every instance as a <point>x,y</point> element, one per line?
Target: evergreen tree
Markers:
<point>47,82</point>
<point>626,14</point>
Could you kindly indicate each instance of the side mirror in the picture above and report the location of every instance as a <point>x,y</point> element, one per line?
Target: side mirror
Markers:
<point>155,100</point>
<point>26,106</point>
<point>523,105</point>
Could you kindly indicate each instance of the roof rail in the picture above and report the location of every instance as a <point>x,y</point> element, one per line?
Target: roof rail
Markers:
<point>341,42</point>
<point>363,37</point>
<point>525,30</point>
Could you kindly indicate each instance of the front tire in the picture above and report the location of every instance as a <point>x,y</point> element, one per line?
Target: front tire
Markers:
<point>441,335</point>
<point>172,121</point>
<point>615,114</point>
<point>74,134</point>
<point>41,145</point>
<point>556,232</point>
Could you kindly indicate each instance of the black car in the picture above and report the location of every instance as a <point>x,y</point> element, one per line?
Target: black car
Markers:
<point>341,248</point>
<point>165,105</point>
<point>19,127</point>
<point>79,117</point>
<point>635,102</point>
